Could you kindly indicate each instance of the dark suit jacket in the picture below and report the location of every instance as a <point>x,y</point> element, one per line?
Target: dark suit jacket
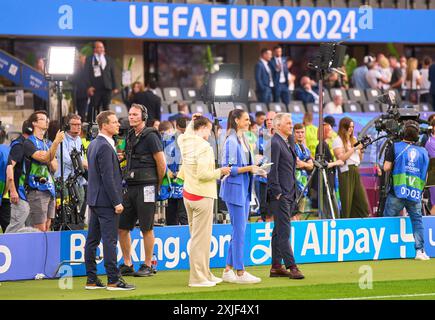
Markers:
<point>151,101</point>
<point>107,79</point>
<point>104,175</point>
<point>282,176</point>
<point>261,76</point>
<point>432,79</point>
<point>276,73</point>
<point>305,96</point>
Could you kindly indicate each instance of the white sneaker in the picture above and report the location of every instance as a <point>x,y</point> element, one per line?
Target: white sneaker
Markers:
<point>215,279</point>
<point>247,278</point>
<point>229,276</point>
<point>421,255</point>
<point>203,284</point>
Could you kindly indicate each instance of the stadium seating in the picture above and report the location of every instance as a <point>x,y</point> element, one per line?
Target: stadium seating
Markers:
<point>296,107</point>
<point>158,92</point>
<point>190,94</point>
<point>257,106</point>
<point>164,108</point>
<point>277,107</point>
<point>240,105</point>
<point>326,96</point>
<point>356,95</point>
<point>312,107</point>
<point>352,107</point>
<point>251,95</point>
<point>338,91</point>
<point>172,94</point>
<point>371,107</point>
<point>199,106</point>
<point>372,94</point>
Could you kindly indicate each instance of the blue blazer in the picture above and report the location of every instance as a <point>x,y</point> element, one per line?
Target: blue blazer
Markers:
<point>276,73</point>
<point>236,187</point>
<point>104,175</point>
<point>305,96</point>
<point>261,77</point>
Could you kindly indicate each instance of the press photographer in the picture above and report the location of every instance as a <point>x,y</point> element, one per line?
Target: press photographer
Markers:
<point>408,163</point>
<point>41,163</point>
<point>74,188</point>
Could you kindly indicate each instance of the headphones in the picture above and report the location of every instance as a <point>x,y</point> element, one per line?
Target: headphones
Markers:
<point>412,124</point>
<point>143,109</point>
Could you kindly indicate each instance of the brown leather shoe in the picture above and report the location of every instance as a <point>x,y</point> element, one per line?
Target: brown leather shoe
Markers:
<point>295,273</point>
<point>279,272</point>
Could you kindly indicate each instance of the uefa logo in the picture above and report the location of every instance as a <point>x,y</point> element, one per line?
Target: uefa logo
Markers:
<point>412,155</point>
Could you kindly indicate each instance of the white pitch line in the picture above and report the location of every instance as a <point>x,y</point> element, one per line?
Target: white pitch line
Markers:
<point>391,296</point>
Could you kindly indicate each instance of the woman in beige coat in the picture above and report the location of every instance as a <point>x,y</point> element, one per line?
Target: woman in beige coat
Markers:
<point>199,192</point>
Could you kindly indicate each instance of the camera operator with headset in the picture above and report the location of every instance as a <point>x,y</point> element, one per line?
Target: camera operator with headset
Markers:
<point>72,144</point>
<point>146,167</point>
<point>40,164</point>
<point>408,163</point>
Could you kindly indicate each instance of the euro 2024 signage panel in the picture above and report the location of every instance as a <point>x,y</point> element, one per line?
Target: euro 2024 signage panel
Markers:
<point>158,21</point>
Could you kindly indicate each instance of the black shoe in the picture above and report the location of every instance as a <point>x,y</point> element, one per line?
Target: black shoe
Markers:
<point>94,284</point>
<point>120,285</point>
<point>144,271</point>
<point>126,270</point>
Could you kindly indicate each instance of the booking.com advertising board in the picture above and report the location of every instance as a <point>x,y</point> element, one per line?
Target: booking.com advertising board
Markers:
<point>105,19</point>
<point>22,256</point>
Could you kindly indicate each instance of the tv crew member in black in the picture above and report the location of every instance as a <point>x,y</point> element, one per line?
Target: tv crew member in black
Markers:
<point>144,172</point>
<point>100,79</point>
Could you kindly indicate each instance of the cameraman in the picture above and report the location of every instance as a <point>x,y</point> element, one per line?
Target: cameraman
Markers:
<point>409,164</point>
<point>145,169</point>
<point>40,164</point>
<point>72,142</point>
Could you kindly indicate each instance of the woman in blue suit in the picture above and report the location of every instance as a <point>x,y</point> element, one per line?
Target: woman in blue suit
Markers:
<point>236,191</point>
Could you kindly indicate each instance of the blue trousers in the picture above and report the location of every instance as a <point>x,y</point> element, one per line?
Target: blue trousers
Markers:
<point>239,219</point>
<point>103,224</point>
<point>394,205</point>
<point>265,96</point>
<point>281,93</point>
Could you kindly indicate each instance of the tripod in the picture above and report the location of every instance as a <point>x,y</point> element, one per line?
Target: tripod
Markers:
<point>320,169</point>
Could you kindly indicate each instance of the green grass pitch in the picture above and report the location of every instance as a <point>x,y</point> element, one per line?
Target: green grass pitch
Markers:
<point>392,279</point>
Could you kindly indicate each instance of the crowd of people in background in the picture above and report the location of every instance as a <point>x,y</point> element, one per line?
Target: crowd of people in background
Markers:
<point>275,81</point>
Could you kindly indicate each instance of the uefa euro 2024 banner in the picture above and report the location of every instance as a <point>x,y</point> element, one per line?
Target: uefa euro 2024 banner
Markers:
<point>79,18</point>
<point>22,256</point>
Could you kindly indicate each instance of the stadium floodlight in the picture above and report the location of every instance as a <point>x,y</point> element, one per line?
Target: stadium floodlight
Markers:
<point>223,87</point>
<point>60,66</point>
<point>61,62</point>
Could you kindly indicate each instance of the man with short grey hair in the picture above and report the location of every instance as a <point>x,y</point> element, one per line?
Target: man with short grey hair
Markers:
<point>281,185</point>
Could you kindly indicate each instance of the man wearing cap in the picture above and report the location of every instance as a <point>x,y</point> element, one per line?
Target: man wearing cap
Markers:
<point>359,74</point>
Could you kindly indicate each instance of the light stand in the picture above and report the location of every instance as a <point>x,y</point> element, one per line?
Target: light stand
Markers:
<point>330,57</point>
<point>61,63</point>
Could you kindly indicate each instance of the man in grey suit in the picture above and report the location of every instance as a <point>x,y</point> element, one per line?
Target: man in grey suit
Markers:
<point>105,203</point>
<point>100,80</point>
<point>281,185</point>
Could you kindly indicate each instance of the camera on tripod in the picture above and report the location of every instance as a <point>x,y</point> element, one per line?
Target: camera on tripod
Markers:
<point>392,122</point>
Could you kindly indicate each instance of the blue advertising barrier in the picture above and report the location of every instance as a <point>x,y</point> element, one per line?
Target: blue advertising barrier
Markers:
<point>23,75</point>
<point>22,256</point>
<point>79,18</point>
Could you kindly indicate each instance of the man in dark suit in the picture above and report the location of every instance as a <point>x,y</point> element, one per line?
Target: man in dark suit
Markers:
<point>151,101</point>
<point>306,93</point>
<point>264,77</point>
<point>280,76</point>
<point>100,79</point>
<point>104,198</point>
<point>281,185</point>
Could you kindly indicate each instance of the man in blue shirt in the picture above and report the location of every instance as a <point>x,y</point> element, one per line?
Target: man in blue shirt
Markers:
<point>359,74</point>
<point>72,141</point>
